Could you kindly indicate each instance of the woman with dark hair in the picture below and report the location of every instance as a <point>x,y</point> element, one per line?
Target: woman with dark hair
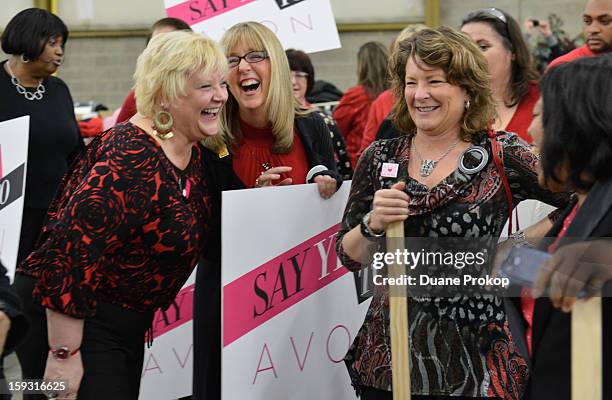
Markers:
<point>513,77</point>
<point>351,114</point>
<point>572,128</point>
<point>460,345</point>
<point>35,40</point>
<point>302,79</point>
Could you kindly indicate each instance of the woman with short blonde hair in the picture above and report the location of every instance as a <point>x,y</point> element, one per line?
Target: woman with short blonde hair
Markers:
<point>127,226</point>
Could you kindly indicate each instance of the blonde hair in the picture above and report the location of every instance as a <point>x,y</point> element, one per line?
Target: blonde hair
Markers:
<point>281,106</point>
<point>464,65</point>
<point>166,64</point>
<point>405,33</point>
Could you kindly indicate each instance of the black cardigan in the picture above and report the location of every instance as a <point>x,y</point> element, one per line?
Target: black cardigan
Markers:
<point>550,375</point>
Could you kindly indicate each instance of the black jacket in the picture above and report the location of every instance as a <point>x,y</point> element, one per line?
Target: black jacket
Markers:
<point>550,376</point>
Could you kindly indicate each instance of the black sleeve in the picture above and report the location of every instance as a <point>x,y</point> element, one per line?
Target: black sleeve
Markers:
<point>316,137</point>
<point>11,306</point>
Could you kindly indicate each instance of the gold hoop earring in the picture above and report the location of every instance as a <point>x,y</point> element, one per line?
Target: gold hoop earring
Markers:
<point>162,125</point>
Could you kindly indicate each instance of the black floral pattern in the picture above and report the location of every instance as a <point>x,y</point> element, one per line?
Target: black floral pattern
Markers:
<point>120,229</point>
<point>459,345</point>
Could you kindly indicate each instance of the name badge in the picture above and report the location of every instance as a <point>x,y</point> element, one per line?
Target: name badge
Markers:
<point>389,170</point>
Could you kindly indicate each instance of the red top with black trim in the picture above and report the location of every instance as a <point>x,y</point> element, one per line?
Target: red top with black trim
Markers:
<point>120,229</point>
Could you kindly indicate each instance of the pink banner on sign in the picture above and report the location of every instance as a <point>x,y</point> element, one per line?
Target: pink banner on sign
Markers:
<point>195,11</point>
<point>280,283</point>
<point>179,313</point>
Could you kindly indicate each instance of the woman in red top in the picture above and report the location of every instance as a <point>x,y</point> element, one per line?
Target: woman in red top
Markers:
<point>352,112</point>
<point>512,74</point>
<point>126,228</point>
<point>272,138</point>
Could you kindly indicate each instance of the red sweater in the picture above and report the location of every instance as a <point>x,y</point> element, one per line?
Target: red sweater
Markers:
<point>351,116</point>
<point>524,113</point>
<point>379,110</point>
<point>254,155</point>
<point>128,109</point>
<point>582,51</point>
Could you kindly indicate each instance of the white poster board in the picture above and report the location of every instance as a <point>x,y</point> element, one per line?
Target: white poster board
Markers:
<point>290,310</point>
<point>14,135</point>
<point>307,25</point>
<point>168,363</point>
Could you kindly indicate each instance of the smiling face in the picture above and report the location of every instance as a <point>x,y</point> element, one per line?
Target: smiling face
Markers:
<point>51,57</point>
<point>597,25</point>
<point>499,58</point>
<point>435,105</point>
<point>249,82</point>
<point>196,114</point>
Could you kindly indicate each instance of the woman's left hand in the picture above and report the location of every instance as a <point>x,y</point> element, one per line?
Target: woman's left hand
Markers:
<point>577,267</point>
<point>326,185</point>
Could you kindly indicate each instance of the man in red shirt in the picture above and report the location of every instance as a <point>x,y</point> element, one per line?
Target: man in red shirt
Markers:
<point>597,28</point>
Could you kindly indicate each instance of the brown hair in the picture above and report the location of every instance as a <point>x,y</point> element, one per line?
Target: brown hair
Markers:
<point>508,29</point>
<point>372,61</point>
<point>462,62</point>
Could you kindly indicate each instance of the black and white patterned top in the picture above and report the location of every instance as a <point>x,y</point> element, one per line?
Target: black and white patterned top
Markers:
<point>460,345</point>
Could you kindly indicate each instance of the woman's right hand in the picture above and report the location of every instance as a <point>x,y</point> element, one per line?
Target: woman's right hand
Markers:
<point>273,174</point>
<point>389,205</point>
<point>69,370</point>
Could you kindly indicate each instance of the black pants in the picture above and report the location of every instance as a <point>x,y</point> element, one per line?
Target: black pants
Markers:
<point>207,332</point>
<point>112,349</point>
<point>369,393</point>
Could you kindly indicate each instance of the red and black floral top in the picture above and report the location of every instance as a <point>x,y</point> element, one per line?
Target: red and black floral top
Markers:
<point>122,228</point>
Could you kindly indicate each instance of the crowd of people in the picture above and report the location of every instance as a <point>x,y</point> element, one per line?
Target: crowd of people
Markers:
<point>112,230</point>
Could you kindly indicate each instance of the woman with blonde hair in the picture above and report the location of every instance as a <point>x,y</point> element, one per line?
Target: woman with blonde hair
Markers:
<point>449,182</point>
<point>268,137</point>
<point>352,111</point>
<point>126,228</point>
<point>271,137</point>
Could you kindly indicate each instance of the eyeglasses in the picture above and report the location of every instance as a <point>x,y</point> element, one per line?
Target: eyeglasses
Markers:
<point>299,74</point>
<point>492,12</point>
<point>251,57</point>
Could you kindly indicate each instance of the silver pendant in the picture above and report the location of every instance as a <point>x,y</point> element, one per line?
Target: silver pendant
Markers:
<point>427,167</point>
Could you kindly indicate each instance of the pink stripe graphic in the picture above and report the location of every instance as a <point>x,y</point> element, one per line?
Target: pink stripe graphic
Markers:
<point>280,283</point>
<point>195,11</point>
<point>179,312</point>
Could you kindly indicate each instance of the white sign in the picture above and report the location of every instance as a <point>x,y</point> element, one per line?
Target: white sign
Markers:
<point>290,310</point>
<point>306,25</point>
<point>168,363</point>
<point>14,135</point>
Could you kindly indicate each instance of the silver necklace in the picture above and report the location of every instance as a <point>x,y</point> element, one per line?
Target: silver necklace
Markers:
<point>37,95</point>
<point>427,166</point>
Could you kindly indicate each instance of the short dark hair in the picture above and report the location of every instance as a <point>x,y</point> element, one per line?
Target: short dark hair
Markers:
<point>577,121</point>
<point>27,32</point>
<point>523,72</point>
<point>299,61</point>
<point>177,24</point>
<point>174,23</point>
